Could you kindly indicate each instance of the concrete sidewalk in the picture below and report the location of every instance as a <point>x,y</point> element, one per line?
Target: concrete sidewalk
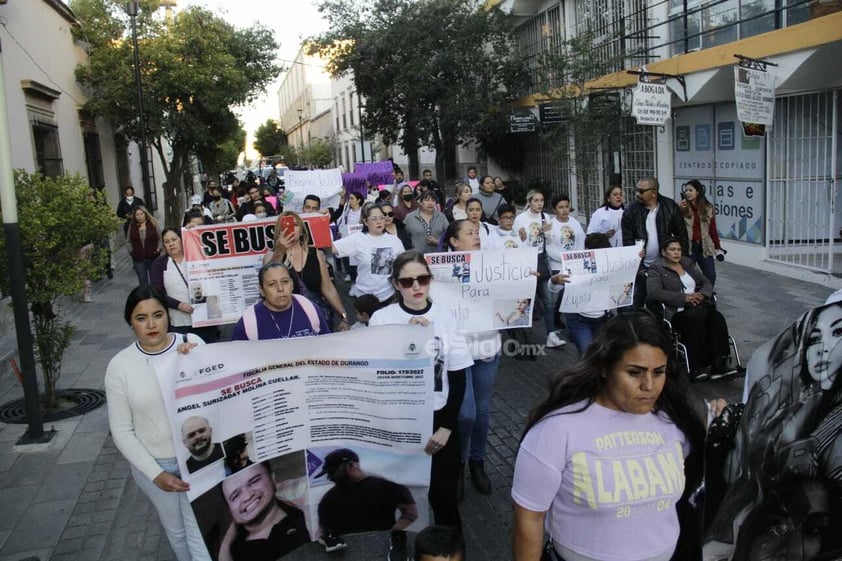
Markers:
<point>75,500</point>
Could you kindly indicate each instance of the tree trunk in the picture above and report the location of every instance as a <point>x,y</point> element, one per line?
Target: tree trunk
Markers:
<point>174,188</point>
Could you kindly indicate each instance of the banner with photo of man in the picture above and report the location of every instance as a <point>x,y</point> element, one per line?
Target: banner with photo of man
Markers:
<point>285,440</point>
<point>223,260</point>
<point>600,279</point>
<point>485,290</point>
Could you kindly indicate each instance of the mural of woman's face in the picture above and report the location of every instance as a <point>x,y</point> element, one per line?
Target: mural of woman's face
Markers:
<point>824,351</point>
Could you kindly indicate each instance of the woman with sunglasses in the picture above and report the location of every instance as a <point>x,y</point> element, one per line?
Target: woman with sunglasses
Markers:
<point>393,226</point>
<point>411,304</point>
<point>374,251</point>
<point>475,412</point>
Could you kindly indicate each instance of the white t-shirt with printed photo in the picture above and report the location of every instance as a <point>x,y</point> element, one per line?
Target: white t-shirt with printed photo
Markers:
<point>374,256</point>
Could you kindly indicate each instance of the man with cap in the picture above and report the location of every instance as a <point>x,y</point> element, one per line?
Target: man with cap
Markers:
<point>359,502</point>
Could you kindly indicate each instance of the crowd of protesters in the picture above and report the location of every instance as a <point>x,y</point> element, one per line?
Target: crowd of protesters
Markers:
<point>627,381</point>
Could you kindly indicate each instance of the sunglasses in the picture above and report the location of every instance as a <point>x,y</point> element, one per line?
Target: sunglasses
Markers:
<point>407,282</point>
<point>389,214</point>
<point>641,191</point>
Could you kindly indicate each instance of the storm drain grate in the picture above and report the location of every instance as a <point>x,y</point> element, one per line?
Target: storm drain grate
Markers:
<point>71,403</point>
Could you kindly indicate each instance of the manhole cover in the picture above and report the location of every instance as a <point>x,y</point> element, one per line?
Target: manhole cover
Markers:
<point>71,403</point>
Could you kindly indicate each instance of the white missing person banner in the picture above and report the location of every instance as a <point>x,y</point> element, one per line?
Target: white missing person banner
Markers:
<point>269,430</point>
<point>600,279</point>
<point>324,183</point>
<point>223,260</point>
<point>651,103</point>
<point>754,93</point>
<point>485,290</point>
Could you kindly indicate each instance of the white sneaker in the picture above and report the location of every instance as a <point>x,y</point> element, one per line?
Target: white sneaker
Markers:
<point>553,340</point>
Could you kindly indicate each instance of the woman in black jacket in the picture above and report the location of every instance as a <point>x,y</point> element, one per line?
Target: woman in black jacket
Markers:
<point>687,295</point>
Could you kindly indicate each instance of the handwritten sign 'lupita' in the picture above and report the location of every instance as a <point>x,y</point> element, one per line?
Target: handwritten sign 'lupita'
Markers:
<point>651,103</point>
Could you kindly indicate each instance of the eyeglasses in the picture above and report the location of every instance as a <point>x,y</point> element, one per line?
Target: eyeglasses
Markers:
<point>376,218</point>
<point>407,282</point>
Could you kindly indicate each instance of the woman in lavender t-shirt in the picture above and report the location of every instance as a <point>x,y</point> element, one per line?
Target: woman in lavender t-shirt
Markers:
<point>608,456</point>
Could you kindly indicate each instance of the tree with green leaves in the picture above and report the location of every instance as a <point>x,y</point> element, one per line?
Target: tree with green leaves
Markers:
<point>193,73</point>
<point>270,139</point>
<point>62,224</point>
<point>432,73</point>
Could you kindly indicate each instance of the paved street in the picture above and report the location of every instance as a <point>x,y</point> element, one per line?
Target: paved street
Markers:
<point>75,499</point>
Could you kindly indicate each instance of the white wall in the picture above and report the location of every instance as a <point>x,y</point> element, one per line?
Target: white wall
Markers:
<point>38,45</point>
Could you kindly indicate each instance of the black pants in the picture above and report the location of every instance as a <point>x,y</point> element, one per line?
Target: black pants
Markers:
<point>444,475</point>
<point>705,334</point>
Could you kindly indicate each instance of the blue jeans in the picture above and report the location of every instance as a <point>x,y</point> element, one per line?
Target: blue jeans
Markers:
<point>474,415</point>
<point>176,515</point>
<point>141,269</point>
<point>706,264</point>
<point>582,330</point>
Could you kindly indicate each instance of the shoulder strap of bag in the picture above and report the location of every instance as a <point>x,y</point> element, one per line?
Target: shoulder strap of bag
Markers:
<point>250,323</point>
<point>310,312</point>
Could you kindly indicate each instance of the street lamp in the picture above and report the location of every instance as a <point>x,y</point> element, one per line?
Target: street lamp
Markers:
<point>131,10</point>
<point>300,137</point>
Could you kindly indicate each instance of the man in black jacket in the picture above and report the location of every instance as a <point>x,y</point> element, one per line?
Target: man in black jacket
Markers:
<point>651,218</point>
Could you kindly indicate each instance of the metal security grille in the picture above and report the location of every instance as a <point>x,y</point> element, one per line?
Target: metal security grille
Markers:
<point>548,165</point>
<point>638,155</point>
<point>803,175</point>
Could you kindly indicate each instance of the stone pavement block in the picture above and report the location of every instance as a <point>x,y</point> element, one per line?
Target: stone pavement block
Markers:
<point>29,469</point>
<point>83,447</point>
<point>42,524</point>
<point>65,481</point>
<point>95,421</point>
<point>4,534</point>
<point>42,554</point>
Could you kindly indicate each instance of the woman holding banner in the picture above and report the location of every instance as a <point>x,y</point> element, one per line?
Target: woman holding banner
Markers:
<point>282,313</point>
<point>169,277</point>
<point>310,266</point>
<point>622,410</point>
<point>410,279</point>
<point>475,413</point>
<point>374,251</point>
<point>138,419</point>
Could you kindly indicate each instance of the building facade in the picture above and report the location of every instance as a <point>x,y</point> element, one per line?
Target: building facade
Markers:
<point>49,131</point>
<point>776,197</point>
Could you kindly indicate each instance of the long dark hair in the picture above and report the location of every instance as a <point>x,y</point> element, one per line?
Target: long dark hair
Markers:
<point>607,197</point>
<point>405,258</point>
<point>585,380</point>
<point>701,199</point>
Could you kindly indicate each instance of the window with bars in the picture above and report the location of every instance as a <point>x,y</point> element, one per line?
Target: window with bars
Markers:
<point>619,31</point>
<point>540,37</point>
<point>47,149</point>
<point>93,159</point>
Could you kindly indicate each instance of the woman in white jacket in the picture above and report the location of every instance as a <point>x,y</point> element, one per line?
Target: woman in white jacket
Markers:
<point>606,219</point>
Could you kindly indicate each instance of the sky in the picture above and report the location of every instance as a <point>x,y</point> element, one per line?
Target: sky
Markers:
<point>291,20</point>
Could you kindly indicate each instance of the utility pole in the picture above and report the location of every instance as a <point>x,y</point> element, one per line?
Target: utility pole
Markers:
<point>132,10</point>
<point>14,253</point>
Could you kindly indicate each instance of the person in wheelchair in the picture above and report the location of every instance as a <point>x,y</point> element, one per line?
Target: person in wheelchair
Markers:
<point>677,283</point>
